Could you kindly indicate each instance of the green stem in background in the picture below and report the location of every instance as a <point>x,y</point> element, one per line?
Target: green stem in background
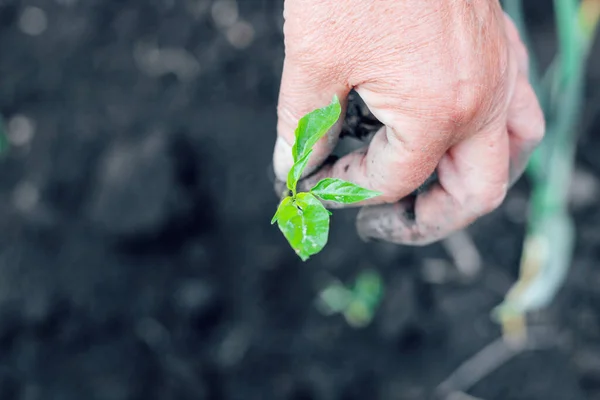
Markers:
<point>570,38</point>
<point>549,243</point>
<point>3,139</point>
<point>564,104</point>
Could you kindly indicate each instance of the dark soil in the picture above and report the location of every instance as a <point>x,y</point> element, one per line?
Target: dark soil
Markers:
<point>136,256</point>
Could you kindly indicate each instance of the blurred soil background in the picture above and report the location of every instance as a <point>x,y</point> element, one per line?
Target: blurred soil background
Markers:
<point>136,256</point>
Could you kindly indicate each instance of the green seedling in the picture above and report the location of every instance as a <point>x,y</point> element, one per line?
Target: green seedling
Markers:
<point>358,303</point>
<point>301,217</point>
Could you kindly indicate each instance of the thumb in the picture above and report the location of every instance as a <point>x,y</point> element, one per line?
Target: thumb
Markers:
<point>305,88</point>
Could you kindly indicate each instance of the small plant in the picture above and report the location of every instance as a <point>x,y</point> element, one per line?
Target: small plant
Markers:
<point>357,303</point>
<point>301,217</point>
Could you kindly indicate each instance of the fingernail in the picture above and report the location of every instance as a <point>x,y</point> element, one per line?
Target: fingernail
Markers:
<point>282,158</point>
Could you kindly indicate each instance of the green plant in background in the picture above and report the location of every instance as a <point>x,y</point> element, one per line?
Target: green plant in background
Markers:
<point>301,217</point>
<point>357,303</point>
<point>548,246</point>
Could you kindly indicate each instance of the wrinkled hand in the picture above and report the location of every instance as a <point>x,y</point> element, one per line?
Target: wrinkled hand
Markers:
<point>449,81</point>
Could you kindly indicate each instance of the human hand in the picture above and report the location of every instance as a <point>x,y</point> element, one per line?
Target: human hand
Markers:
<point>449,81</point>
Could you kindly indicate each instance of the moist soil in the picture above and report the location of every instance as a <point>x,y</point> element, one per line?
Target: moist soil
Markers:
<point>136,256</point>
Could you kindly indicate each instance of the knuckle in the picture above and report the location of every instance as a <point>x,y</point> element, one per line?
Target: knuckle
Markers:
<point>483,198</point>
<point>465,101</point>
<point>491,197</point>
<point>471,99</point>
<point>538,131</point>
<point>538,124</point>
<point>479,88</point>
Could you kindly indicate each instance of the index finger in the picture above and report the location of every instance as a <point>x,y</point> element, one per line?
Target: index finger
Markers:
<point>304,89</point>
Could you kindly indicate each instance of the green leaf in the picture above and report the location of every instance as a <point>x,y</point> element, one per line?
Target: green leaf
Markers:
<point>334,299</point>
<point>340,191</point>
<point>313,126</point>
<point>358,314</point>
<point>369,288</point>
<point>284,203</point>
<point>296,171</point>
<point>305,224</point>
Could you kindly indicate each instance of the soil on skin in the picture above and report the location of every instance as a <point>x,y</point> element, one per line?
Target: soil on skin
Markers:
<point>136,256</point>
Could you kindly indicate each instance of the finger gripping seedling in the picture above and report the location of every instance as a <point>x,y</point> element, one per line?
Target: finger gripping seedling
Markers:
<point>301,217</point>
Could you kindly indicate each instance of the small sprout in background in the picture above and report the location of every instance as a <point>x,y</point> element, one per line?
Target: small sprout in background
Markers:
<point>301,217</point>
<point>334,299</point>
<point>357,304</point>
